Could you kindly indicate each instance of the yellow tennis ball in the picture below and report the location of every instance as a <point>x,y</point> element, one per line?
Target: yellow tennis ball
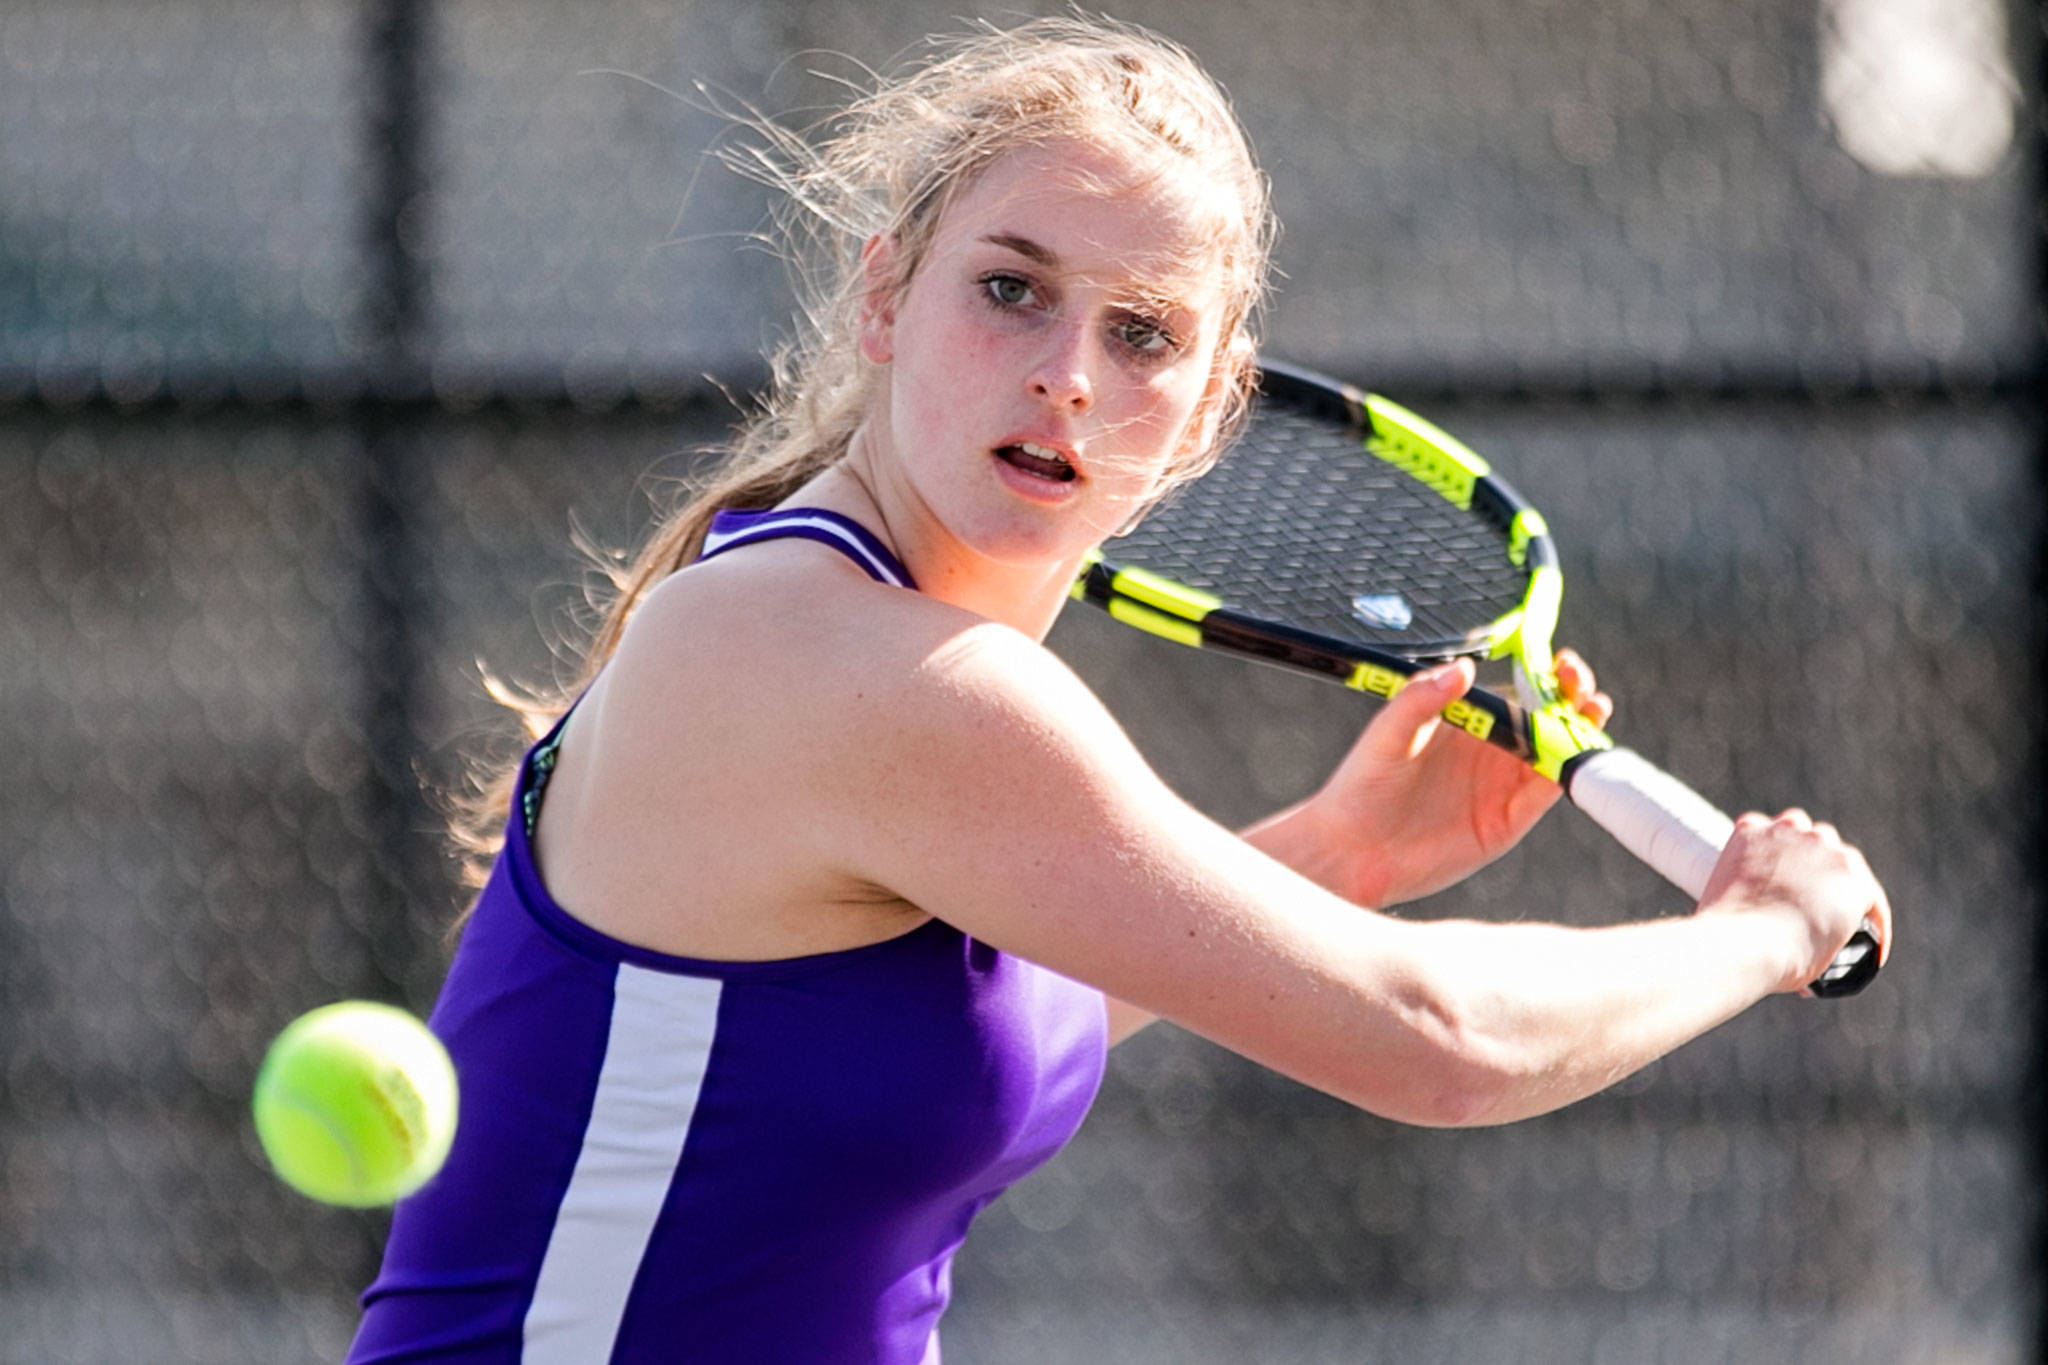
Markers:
<point>355,1104</point>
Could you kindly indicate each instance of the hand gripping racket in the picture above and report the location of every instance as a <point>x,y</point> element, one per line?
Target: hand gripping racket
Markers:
<point>1346,537</point>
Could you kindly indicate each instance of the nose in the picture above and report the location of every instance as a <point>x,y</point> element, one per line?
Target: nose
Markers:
<point>1061,376</point>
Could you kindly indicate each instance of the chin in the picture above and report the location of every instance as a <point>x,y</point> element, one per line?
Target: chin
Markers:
<point>1029,539</point>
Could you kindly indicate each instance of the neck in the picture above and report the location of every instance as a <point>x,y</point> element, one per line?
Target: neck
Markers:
<point>1026,597</point>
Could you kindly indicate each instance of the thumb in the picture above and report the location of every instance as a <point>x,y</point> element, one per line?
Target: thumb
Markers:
<point>1410,718</point>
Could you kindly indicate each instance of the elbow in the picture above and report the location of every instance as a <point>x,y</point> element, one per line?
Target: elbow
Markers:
<point>1465,1092</point>
<point>1460,1074</point>
<point>1475,1102</point>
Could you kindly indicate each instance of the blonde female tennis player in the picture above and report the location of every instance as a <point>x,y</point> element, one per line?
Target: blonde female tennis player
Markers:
<point>816,910</point>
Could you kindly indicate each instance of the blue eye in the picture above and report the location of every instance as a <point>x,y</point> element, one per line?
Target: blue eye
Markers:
<point>1009,291</point>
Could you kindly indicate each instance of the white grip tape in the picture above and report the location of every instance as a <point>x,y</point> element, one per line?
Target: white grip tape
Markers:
<point>1653,815</point>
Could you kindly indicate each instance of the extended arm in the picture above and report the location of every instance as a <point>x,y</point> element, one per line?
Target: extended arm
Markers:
<point>1011,805</point>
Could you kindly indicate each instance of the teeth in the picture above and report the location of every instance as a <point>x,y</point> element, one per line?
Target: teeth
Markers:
<point>1040,452</point>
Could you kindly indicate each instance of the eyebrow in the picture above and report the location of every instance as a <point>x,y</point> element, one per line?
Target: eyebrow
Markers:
<point>1024,247</point>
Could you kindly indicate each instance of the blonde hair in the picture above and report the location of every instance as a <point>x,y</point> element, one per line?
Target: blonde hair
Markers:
<point>888,166</point>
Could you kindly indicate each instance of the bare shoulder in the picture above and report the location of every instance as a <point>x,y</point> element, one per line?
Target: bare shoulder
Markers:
<point>851,730</point>
<point>834,653</point>
<point>822,657</point>
<point>746,740</point>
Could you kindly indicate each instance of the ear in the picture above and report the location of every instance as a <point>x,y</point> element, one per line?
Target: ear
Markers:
<point>879,291</point>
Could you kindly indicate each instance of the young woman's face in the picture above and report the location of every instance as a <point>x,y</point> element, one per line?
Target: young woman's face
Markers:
<point>1048,361</point>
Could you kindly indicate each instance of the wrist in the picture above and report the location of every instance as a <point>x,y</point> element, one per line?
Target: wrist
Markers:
<point>1771,939</point>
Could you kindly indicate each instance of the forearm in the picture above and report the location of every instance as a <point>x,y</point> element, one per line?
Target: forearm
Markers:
<point>1538,1016</point>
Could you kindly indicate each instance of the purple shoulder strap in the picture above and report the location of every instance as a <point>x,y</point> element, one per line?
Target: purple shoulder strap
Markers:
<point>730,530</point>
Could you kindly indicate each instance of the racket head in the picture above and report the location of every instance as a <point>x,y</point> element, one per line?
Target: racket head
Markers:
<point>1345,522</point>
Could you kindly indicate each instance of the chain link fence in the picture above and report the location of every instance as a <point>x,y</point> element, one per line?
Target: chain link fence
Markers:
<point>321,322</point>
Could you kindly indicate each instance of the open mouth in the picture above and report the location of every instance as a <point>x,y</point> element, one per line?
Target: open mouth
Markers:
<point>1038,461</point>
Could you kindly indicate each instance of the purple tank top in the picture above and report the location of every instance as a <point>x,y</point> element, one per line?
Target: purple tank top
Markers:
<point>662,1159</point>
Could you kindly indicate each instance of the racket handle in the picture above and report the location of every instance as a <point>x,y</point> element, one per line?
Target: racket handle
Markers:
<point>1680,834</point>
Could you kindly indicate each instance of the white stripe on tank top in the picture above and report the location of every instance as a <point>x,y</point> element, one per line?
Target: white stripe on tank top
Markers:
<point>654,1061</point>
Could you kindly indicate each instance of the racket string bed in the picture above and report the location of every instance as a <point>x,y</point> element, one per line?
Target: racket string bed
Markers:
<point>1300,522</point>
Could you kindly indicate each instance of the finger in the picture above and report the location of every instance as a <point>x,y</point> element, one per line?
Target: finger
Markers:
<point>1879,916</point>
<point>1409,720</point>
<point>1796,818</point>
<point>1598,708</point>
<point>1574,675</point>
<point>1446,682</point>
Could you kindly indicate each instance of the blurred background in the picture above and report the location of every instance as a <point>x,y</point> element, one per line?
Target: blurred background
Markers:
<point>323,323</point>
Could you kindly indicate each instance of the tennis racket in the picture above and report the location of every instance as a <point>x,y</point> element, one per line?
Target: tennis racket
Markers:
<point>1345,537</point>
